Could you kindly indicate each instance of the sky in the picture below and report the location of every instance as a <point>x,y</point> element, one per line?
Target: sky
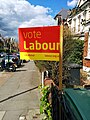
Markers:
<point>16,14</point>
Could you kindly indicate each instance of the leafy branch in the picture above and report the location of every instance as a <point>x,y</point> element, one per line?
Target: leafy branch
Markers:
<point>45,107</point>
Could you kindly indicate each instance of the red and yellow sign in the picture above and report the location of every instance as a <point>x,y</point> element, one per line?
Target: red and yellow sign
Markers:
<point>40,43</point>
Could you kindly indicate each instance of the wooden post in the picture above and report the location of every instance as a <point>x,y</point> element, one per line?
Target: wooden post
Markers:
<point>61,57</point>
<point>60,67</point>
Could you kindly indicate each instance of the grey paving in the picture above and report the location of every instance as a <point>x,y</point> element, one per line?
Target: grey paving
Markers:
<point>24,106</point>
<point>2,113</point>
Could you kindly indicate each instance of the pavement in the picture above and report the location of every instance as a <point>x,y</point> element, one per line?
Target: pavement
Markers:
<point>34,113</point>
<point>2,113</point>
<point>30,114</point>
<point>3,78</point>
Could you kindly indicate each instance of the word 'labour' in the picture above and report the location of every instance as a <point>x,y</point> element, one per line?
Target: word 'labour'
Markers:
<point>42,46</point>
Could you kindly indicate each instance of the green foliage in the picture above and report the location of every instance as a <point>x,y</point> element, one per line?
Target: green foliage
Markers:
<point>77,53</point>
<point>45,107</point>
<point>68,44</point>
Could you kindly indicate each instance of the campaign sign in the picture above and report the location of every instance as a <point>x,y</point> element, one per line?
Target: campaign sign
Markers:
<point>40,43</point>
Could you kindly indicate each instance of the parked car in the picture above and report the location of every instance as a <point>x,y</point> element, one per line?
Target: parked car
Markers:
<point>9,66</point>
<point>19,60</point>
<point>2,54</point>
<point>11,58</point>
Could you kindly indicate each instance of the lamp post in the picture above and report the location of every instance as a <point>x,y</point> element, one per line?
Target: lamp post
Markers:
<point>8,46</point>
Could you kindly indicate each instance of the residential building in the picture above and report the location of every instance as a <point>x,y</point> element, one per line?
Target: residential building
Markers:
<point>61,17</point>
<point>79,23</point>
<point>78,20</point>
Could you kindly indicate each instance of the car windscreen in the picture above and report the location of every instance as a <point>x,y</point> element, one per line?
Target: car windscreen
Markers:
<point>10,57</point>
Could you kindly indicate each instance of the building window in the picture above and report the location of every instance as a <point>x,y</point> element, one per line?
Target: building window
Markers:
<point>74,28</point>
<point>79,19</point>
<point>84,15</point>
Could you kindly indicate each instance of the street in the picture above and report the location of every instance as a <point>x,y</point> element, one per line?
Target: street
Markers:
<point>12,105</point>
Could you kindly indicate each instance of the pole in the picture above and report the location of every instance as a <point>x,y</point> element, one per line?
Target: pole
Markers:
<point>60,68</point>
<point>61,57</point>
<point>42,79</point>
<point>10,44</point>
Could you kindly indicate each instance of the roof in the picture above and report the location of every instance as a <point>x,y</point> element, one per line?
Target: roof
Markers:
<point>79,99</point>
<point>78,3</point>
<point>63,13</point>
<point>82,2</point>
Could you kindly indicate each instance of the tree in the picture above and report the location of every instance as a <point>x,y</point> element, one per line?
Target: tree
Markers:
<point>77,54</point>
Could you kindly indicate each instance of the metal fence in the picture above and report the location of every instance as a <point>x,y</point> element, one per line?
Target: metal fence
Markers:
<point>55,103</point>
<point>60,106</point>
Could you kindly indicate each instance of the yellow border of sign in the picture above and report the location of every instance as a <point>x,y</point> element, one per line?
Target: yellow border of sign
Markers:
<point>61,57</point>
<point>39,56</point>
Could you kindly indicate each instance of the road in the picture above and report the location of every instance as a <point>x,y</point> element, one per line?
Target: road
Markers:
<point>23,79</point>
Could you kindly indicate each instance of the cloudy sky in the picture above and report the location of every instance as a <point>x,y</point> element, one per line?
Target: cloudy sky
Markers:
<point>27,13</point>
